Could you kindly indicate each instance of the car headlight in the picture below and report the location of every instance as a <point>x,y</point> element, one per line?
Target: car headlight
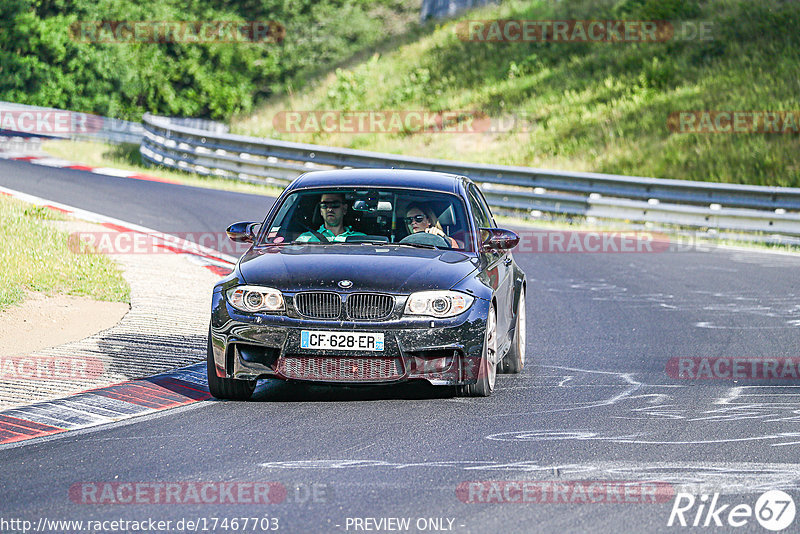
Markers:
<point>255,299</point>
<point>438,303</point>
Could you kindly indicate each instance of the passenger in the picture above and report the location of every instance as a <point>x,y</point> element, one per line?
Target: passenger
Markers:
<point>333,208</point>
<point>421,218</point>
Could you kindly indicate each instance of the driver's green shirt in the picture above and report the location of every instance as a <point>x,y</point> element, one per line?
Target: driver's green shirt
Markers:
<point>308,237</point>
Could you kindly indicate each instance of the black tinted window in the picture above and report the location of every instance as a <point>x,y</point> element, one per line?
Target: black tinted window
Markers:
<point>479,209</point>
<point>380,215</point>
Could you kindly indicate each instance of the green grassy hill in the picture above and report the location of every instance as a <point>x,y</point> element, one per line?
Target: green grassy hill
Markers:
<point>592,106</point>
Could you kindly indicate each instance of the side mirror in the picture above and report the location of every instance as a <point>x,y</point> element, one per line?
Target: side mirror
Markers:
<point>243,232</point>
<point>498,239</point>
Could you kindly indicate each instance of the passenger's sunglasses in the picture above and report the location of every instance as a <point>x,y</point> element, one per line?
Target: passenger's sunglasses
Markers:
<point>331,205</point>
<point>415,218</point>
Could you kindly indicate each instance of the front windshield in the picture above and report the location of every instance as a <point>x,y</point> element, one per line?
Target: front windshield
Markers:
<point>357,216</point>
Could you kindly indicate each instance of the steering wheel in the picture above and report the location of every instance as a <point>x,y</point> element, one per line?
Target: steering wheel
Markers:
<point>424,238</point>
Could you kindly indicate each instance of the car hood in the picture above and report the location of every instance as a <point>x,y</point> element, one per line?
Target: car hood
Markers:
<point>389,268</point>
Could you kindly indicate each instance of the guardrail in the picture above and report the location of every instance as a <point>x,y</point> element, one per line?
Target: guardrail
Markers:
<point>67,124</point>
<point>61,124</point>
<point>772,210</point>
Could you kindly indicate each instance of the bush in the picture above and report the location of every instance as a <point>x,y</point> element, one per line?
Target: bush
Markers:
<point>42,64</point>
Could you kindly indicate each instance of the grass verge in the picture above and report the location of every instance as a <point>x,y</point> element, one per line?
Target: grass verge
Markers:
<point>581,106</point>
<point>126,157</point>
<point>36,257</point>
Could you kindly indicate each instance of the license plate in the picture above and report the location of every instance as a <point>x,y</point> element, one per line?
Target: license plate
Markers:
<point>317,339</point>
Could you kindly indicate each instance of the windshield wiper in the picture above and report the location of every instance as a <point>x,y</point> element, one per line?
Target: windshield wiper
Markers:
<point>417,245</point>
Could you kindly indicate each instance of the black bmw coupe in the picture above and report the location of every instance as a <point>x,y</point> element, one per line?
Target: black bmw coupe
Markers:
<point>370,277</point>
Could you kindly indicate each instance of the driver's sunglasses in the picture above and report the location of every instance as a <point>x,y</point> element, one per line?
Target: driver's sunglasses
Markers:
<point>332,205</point>
<point>415,218</point>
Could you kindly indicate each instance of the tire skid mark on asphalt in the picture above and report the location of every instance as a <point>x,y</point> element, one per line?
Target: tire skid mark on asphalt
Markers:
<point>552,435</point>
<point>736,404</point>
<point>724,306</point>
<point>630,384</point>
<point>105,405</point>
<point>694,477</point>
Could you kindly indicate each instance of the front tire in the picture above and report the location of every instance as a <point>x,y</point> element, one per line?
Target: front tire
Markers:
<point>515,359</point>
<point>226,388</point>
<point>488,371</point>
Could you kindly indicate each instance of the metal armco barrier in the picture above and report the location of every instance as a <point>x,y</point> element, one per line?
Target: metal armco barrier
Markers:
<point>87,126</point>
<point>746,208</point>
<point>82,125</point>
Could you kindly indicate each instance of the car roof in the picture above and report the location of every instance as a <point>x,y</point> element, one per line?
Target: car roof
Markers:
<point>429,180</point>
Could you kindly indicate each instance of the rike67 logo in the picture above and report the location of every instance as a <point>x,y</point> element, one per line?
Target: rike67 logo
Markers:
<point>774,510</point>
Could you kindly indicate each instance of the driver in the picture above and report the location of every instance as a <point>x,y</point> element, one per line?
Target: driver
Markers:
<point>421,218</point>
<point>333,208</point>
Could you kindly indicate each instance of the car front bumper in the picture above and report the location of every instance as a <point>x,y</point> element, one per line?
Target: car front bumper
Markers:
<point>249,346</point>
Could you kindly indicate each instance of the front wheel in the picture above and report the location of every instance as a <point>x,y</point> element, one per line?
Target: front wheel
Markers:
<point>226,388</point>
<point>515,359</point>
<point>488,370</point>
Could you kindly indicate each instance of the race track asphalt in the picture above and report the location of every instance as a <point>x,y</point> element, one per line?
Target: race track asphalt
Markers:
<point>595,403</point>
